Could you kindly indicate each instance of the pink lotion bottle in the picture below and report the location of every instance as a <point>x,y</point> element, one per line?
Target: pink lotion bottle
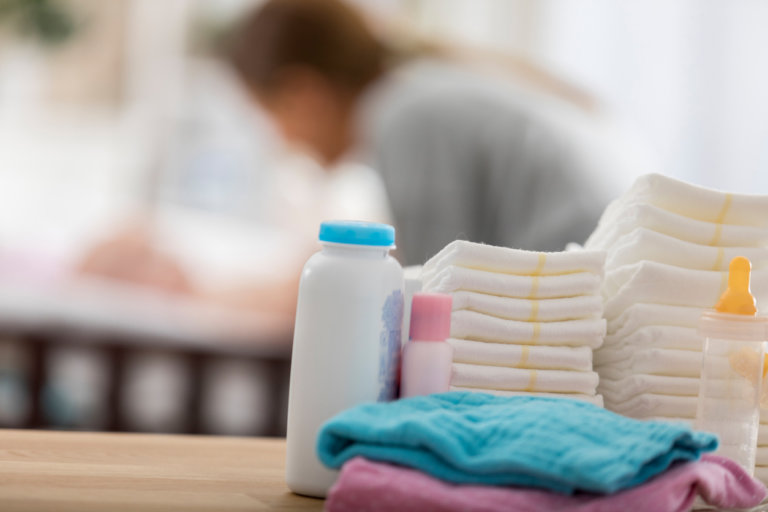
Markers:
<point>427,358</point>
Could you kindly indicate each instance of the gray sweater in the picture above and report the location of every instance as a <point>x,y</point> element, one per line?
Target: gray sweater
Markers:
<point>465,156</point>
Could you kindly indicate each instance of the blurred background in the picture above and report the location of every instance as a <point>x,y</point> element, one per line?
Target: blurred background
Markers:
<point>163,172</point>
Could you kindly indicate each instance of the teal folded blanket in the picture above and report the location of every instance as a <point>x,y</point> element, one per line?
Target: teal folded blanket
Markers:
<point>551,443</point>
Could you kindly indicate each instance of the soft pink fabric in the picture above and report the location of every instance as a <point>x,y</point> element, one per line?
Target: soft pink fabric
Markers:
<point>371,486</point>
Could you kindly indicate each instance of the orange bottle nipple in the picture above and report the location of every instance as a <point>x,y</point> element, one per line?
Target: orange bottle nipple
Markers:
<point>737,299</point>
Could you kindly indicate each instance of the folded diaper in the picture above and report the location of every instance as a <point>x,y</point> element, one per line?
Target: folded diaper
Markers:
<point>656,336</point>
<point>546,310</point>
<point>653,361</point>
<point>643,244</point>
<point>477,326</point>
<point>761,473</point>
<point>513,261</point>
<point>556,444</point>
<point>638,384</point>
<point>514,379</point>
<point>657,283</point>
<point>761,458</point>
<point>592,399</point>
<point>693,201</point>
<point>452,278</point>
<point>521,356</point>
<point>652,405</point>
<point>627,218</point>
<point>641,315</point>
<point>380,487</point>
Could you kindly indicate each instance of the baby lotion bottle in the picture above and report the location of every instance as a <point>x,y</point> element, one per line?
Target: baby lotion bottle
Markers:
<point>427,358</point>
<point>346,344</point>
<point>732,369</point>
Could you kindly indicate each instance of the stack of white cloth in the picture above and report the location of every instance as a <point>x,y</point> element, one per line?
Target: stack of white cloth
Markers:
<point>668,248</point>
<point>523,322</point>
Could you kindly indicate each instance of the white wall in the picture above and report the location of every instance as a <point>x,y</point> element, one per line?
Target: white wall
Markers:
<point>688,77</point>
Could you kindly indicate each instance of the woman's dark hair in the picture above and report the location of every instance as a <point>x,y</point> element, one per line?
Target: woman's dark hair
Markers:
<point>326,36</point>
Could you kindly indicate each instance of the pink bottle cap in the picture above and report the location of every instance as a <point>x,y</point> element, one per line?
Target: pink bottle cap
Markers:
<point>431,316</point>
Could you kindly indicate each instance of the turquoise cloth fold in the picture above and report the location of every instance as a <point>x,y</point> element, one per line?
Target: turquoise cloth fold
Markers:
<point>551,443</point>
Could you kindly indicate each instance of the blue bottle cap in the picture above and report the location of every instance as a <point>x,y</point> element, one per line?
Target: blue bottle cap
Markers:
<point>357,233</point>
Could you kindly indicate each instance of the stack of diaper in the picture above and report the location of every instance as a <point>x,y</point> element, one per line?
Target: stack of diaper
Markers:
<point>668,248</point>
<point>523,322</point>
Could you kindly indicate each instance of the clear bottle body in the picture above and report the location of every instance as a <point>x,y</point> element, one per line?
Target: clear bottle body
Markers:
<point>729,396</point>
<point>345,349</point>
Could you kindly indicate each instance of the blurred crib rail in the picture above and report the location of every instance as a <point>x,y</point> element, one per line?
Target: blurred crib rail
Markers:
<point>116,325</point>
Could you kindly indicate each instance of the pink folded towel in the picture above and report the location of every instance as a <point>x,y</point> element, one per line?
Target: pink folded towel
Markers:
<point>372,486</point>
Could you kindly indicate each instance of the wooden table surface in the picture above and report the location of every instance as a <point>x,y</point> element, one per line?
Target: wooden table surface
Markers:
<point>84,472</point>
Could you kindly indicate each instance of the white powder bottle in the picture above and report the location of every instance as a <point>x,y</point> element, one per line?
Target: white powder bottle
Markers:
<point>346,344</point>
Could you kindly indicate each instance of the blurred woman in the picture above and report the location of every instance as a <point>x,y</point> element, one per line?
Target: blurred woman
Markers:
<point>491,155</point>
<point>463,153</point>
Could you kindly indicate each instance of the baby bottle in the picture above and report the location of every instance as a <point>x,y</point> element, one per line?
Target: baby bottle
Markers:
<point>346,343</point>
<point>732,369</point>
<point>427,358</point>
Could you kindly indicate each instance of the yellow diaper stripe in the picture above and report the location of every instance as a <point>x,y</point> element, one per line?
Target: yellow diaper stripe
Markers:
<point>526,352</point>
<point>534,311</point>
<point>540,265</point>
<point>725,208</point>
<point>532,381</point>
<point>720,218</point>
<point>536,333</point>
<point>718,233</point>
<point>534,287</point>
<point>719,260</point>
